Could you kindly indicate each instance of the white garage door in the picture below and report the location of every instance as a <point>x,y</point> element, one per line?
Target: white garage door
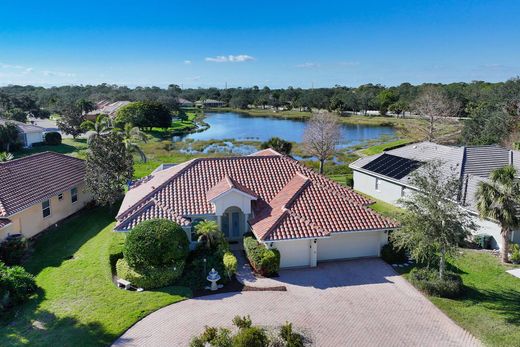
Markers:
<point>354,245</point>
<point>294,253</point>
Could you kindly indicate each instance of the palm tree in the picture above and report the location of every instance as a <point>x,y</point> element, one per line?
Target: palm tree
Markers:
<point>99,126</point>
<point>209,233</point>
<point>498,200</point>
<point>131,135</point>
<point>6,156</point>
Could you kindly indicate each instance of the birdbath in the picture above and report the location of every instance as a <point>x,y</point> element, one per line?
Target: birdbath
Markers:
<point>213,277</point>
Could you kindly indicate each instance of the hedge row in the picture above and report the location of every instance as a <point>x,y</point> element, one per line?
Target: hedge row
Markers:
<point>152,277</point>
<point>264,261</point>
<point>428,281</point>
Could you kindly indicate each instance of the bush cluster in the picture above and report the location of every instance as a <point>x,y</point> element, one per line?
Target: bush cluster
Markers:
<point>515,253</point>
<point>115,249</point>
<point>249,335</point>
<point>53,138</point>
<point>264,261</point>
<point>150,278</point>
<point>12,250</point>
<point>230,264</point>
<point>428,280</point>
<point>16,286</point>
<point>393,255</point>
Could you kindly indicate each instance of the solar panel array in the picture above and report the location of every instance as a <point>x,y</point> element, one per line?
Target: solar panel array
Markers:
<point>392,166</point>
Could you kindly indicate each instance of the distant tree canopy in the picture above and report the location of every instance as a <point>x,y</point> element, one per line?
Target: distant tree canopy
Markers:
<point>482,102</point>
<point>278,144</point>
<point>145,114</point>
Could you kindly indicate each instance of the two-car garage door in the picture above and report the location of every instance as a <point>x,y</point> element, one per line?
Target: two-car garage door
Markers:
<point>349,245</point>
<point>299,253</point>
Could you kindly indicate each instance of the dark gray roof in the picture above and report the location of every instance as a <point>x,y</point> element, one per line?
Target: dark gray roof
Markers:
<point>482,160</point>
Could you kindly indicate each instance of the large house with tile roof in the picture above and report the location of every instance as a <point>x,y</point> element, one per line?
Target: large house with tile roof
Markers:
<point>386,176</point>
<point>286,205</point>
<point>38,191</point>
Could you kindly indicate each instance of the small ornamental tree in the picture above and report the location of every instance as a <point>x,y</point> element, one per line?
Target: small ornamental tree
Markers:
<point>145,114</point>
<point>154,244</point>
<point>109,167</point>
<point>71,120</point>
<point>321,136</point>
<point>433,224</point>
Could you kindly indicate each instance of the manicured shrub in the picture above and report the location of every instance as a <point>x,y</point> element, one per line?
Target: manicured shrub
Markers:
<point>53,138</point>
<point>230,264</point>
<point>242,322</point>
<point>428,280</point>
<point>12,250</point>
<point>150,278</point>
<point>214,337</point>
<point>155,243</point>
<point>16,285</point>
<point>393,255</point>
<point>264,261</point>
<point>251,337</point>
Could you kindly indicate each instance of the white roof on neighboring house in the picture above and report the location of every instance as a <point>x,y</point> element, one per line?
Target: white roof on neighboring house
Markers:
<point>108,108</point>
<point>24,128</point>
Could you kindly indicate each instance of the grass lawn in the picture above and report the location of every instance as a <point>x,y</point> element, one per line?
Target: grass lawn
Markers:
<point>78,305</point>
<point>68,146</point>
<point>490,307</point>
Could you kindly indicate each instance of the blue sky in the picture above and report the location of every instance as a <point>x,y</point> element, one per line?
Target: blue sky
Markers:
<point>246,43</point>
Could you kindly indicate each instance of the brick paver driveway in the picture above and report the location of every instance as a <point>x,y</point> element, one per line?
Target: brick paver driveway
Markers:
<point>351,303</point>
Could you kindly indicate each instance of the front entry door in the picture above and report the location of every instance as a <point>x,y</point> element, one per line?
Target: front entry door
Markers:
<point>225,224</point>
<point>235,224</point>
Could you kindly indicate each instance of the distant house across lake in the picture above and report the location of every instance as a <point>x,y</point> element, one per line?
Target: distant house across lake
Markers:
<point>210,103</point>
<point>184,102</point>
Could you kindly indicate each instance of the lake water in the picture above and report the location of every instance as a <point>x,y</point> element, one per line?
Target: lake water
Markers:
<point>230,125</point>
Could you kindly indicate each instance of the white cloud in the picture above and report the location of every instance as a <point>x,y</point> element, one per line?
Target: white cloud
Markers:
<point>50,73</point>
<point>230,58</point>
<point>10,66</point>
<point>308,65</point>
<point>187,62</point>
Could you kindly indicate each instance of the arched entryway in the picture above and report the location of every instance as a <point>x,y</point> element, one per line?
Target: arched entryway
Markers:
<point>233,223</point>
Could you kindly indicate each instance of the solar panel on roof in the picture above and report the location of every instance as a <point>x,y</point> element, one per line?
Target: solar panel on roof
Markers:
<point>392,166</point>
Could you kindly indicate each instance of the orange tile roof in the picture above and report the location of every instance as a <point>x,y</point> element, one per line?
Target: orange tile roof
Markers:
<point>293,201</point>
<point>35,178</point>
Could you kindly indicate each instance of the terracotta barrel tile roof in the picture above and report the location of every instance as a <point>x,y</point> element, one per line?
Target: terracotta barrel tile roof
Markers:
<point>29,180</point>
<point>293,201</point>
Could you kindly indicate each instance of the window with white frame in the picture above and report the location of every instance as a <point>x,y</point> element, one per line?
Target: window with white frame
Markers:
<point>377,184</point>
<point>402,192</point>
<point>74,195</point>
<point>60,196</point>
<point>46,208</point>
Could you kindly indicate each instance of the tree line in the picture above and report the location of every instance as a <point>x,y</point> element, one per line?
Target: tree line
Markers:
<point>492,109</point>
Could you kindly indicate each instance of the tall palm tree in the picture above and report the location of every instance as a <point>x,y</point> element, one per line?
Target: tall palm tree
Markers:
<point>131,136</point>
<point>499,200</point>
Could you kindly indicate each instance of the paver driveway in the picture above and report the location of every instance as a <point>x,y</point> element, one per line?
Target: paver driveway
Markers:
<point>351,303</point>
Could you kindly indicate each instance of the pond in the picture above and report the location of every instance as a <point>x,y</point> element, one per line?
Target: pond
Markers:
<point>230,125</point>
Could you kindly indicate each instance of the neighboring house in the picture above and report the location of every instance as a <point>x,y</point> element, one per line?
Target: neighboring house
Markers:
<point>106,107</point>
<point>287,206</point>
<point>386,176</point>
<point>184,102</point>
<point>38,191</point>
<point>29,134</point>
<point>209,103</point>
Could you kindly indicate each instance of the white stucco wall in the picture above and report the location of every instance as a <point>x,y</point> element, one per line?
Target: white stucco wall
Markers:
<point>232,198</point>
<point>33,138</point>
<point>387,191</point>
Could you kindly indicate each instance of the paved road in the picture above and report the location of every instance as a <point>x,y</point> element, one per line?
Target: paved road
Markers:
<point>352,303</point>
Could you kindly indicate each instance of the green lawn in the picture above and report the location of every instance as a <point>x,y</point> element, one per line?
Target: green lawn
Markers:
<point>78,305</point>
<point>490,307</point>
<point>384,146</point>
